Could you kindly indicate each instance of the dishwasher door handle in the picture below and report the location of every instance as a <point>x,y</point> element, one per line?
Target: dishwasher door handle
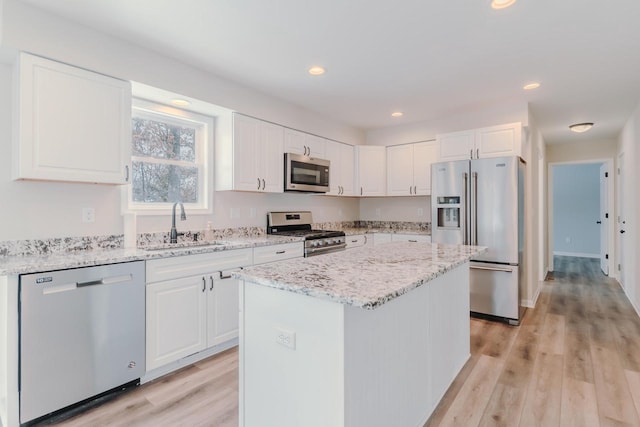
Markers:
<point>106,281</point>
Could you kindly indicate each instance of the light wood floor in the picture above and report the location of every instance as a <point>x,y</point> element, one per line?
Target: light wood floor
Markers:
<point>574,361</point>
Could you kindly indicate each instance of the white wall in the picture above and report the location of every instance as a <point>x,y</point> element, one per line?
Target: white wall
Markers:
<point>628,141</point>
<point>44,209</point>
<point>576,208</point>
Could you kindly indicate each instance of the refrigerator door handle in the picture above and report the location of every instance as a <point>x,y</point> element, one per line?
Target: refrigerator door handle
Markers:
<point>475,208</point>
<point>464,207</point>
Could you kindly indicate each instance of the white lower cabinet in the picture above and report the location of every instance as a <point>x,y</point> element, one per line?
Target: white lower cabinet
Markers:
<point>194,306</point>
<point>356,241</point>
<point>272,253</point>
<point>400,237</point>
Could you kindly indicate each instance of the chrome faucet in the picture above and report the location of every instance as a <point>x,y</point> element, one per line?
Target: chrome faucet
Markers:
<point>174,233</point>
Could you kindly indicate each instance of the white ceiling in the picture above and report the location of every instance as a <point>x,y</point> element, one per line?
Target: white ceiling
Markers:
<point>428,59</point>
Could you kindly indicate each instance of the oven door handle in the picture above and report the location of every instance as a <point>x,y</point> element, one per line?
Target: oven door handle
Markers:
<point>317,251</point>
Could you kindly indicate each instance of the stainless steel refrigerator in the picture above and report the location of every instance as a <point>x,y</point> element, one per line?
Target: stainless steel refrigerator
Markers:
<point>481,202</point>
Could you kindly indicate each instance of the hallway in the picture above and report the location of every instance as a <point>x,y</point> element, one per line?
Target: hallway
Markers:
<point>574,361</point>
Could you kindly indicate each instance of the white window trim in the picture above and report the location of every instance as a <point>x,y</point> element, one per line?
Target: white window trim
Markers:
<point>206,125</point>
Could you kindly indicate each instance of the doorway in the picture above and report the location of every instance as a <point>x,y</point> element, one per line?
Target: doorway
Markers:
<point>580,197</point>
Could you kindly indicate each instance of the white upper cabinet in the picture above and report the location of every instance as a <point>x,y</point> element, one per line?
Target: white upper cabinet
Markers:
<point>371,170</point>
<point>409,168</point>
<point>341,169</point>
<point>258,155</point>
<point>303,143</point>
<point>71,124</point>
<point>494,141</point>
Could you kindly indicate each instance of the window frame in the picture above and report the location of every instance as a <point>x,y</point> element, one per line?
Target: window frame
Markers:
<point>204,135</point>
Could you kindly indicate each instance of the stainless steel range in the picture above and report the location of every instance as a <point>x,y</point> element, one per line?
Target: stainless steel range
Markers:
<point>316,242</point>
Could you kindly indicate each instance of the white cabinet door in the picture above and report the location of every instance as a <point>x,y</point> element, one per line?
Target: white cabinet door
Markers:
<point>72,124</point>
<point>356,240</point>
<point>176,319</point>
<point>379,238</point>
<point>456,145</point>
<point>222,310</point>
<point>498,141</point>
<point>413,238</point>
<point>371,167</point>
<point>265,254</point>
<point>493,141</point>
<point>257,155</point>
<point>400,170</point>
<point>341,168</point>
<point>303,143</point>
<point>271,157</point>
<point>424,154</point>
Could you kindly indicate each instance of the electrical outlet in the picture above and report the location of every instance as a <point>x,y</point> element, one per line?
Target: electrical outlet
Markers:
<point>286,338</point>
<point>88,215</point>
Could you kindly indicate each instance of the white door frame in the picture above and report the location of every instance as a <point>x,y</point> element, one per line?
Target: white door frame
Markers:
<point>605,217</point>
<point>610,196</point>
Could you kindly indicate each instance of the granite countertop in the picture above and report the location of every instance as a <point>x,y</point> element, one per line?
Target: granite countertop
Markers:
<point>10,265</point>
<point>365,277</point>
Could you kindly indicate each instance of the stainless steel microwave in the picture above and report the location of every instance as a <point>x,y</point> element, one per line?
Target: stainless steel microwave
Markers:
<point>305,174</point>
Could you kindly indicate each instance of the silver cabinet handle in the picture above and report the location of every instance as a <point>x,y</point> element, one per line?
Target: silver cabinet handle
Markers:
<point>258,183</point>
<point>361,191</point>
<point>477,153</point>
<point>222,276</point>
<point>471,153</point>
<point>410,190</point>
<point>505,270</point>
<point>211,280</point>
<point>280,252</point>
<point>264,184</point>
<point>126,173</point>
<point>204,284</point>
<point>415,189</point>
<point>412,241</point>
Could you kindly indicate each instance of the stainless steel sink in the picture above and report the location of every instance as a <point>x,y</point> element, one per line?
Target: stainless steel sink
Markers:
<point>182,245</point>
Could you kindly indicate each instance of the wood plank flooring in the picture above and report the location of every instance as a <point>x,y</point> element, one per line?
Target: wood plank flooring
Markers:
<point>573,361</point>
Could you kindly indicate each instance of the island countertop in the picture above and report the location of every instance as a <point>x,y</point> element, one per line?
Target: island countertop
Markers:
<point>365,277</point>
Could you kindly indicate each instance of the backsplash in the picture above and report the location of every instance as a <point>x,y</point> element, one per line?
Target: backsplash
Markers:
<point>86,243</point>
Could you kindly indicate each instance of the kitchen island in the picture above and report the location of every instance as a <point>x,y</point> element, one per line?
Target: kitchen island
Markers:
<point>371,336</point>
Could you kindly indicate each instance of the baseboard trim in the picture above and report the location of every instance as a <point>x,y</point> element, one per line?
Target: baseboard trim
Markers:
<point>576,254</point>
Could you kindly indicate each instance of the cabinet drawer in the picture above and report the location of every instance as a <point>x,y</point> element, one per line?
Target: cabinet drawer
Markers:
<point>264,254</point>
<point>399,237</point>
<point>190,265</point>
<point>355,241</point>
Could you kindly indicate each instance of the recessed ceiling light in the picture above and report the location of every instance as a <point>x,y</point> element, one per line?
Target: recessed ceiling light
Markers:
<point>316,70</point>
<point>531,86</point>
<point>397,114</point>
<point>581,127</point>
<point>180,102</point>
<point>501,4</point>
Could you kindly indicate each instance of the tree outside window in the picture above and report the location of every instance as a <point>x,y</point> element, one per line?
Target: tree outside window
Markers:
<point>168,157</point>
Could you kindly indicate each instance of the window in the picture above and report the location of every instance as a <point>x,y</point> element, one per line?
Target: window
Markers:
<point>171,150</point>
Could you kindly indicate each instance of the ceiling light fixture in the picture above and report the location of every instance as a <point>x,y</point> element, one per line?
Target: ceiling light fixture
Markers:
<point>501,4</point>
<point>581,127</point>
<point>531,86</point>
<point>180,102</point>
<point>316,70</point>
<point>397,114</point>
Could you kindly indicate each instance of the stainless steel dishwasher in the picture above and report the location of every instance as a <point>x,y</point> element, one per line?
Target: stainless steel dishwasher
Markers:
<point>82,333</point>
